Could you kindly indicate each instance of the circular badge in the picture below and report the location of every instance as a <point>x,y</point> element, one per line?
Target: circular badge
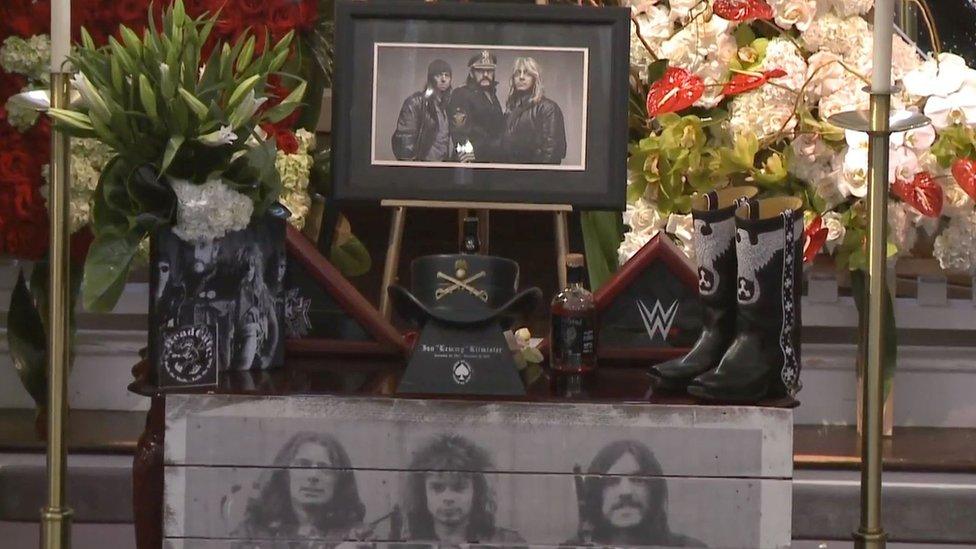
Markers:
<point>189,353</point>
<point>462,372</point>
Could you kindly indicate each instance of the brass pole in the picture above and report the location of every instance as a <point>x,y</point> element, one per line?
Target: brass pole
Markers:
<point>56,517</point>
<point>871,534</point>
<point>392,259</point>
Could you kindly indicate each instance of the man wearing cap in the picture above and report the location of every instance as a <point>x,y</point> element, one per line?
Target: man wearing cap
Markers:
<point>477,120</point>
<point>423,130</point>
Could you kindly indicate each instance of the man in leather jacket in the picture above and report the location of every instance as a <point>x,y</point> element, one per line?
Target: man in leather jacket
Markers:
<point>476,113</point>
<point>423,130</point>
<point>534,130</point>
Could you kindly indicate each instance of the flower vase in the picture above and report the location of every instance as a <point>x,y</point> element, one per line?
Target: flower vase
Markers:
<point>217,306</point>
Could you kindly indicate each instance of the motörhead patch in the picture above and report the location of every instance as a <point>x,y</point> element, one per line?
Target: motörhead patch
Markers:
<point>188,357</point>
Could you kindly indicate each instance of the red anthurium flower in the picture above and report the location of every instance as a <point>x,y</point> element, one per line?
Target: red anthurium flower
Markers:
<point>964,170</point>
<point>814,238</point>
<point>741,82</point>
<point>678,89</point>
<point>921,193</point>
<point>742,10</point>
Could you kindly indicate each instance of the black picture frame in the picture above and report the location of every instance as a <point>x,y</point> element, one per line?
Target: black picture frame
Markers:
<point>598,181</point>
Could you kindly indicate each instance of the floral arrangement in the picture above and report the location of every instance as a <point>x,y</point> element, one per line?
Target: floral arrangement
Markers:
<point>184,130</point>
<point>733,91</point>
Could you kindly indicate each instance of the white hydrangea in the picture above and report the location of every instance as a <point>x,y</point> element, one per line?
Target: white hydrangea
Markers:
<point>766,110</point>
<point>209,211</point>
<point>839,35</point>
<point>955,248</point>
<point>20,116</point>
<point>655,26</point>
<point>294,171</point>
<point>306,141</point>
<point>849,95</point>
<point>901,227</point>
<point>845,8</point>
<point>704,48</point>
<point>29,57</point>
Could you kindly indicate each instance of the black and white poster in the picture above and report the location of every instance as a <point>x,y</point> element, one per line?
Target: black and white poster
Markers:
<point>333,473</point>
<point>217,305</point>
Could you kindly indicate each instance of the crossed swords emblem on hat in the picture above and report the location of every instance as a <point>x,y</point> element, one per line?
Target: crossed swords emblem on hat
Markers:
<point>461,284</point>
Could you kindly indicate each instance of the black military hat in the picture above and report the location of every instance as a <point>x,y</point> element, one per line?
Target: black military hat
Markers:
<point>463,289</point>
<point>483,60</point>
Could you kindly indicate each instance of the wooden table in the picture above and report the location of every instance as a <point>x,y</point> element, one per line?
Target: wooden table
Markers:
<point>718,475</point>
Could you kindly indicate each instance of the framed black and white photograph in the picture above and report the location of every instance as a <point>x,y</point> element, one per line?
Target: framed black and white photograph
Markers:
<point>218,305</point>
<point>481,102</point>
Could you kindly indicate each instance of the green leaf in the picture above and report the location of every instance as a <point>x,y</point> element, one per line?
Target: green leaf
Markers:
<point>656,70</point>
<point>602,232</point>
<point>28,347</point>
<point>106,269</point>
<point>351,257</point>
<point>172,148</point>
<point>195,104</point>
<point>247,53</point>
<point>744,35</point>
<point>242,90</point>
<point>147,96</point>
<point>859,284</point>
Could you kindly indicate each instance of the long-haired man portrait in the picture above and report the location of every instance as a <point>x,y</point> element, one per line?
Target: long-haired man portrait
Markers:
<point>452,500</point>
<point>534,129</point>
<point>310,496</point>
<point>624,500</point>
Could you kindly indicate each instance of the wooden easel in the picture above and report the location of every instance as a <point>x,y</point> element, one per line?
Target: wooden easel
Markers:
<point>560,218</point>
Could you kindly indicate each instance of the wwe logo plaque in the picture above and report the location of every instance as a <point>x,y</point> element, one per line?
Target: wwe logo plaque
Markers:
<point>188,357</point>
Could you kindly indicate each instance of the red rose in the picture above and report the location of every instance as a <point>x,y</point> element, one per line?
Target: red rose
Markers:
<point>287,142</point>
<point>230,22</point>
<point>28,239</point>
<point>131,10</point>
<point>16,165</point>
<point>310,13</point>
<point>253,10</point>
<point>284,18</point>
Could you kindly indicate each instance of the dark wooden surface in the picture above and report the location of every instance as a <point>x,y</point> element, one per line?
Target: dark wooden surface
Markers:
<point>915,449</point>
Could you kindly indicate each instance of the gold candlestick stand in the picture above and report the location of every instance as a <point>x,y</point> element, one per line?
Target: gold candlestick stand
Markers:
<point>56,517</point>
<point>877,123</point>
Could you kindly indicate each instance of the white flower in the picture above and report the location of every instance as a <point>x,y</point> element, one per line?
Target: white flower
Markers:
<point>850,95</point>
<point>29,57</point>
<point>839,35</point>
<point>20,116</point>
<point>644,218</point>
<point>705,48</point>
<point>223,136</point>
<point>306,140</point>
<point>835,229</point>
<point>921,139</point>
<point>769,108</point>
<point>682,228</point>
<point>209,211</point>
<point>655,26</point>
<point>901,228</point>
<point>950,88</point>
<point>794,13</point>
<point>631,245</point>
<point>845,8</point>
<point>682,10</point>
<point>942,76</point>
<point>955,247</point>
<point>825,73</point>
<point>92,99</point>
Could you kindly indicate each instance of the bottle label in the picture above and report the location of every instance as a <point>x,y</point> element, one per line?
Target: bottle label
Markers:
<point>574,342</point>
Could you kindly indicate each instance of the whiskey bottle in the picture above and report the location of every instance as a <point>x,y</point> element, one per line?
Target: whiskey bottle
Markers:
<point>573,328</point>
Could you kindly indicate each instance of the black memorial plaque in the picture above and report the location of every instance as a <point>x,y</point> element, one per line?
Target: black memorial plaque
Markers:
<point>473,360</point>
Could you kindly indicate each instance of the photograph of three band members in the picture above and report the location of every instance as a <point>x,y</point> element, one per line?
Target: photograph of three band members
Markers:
<point>443,122</point>
<point>447,500</point>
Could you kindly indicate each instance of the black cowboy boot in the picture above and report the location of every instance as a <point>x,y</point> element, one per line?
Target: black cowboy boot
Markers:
<point>764,359</point>
<point>715,253</point>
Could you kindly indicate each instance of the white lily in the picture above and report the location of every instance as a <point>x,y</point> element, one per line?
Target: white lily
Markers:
<point>92,99</point>
<point>249,105</point>
<point>223,136</point>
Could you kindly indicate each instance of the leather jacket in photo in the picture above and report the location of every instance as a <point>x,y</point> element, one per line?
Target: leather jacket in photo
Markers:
<point>534,133</point>
<point>416,126</point>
